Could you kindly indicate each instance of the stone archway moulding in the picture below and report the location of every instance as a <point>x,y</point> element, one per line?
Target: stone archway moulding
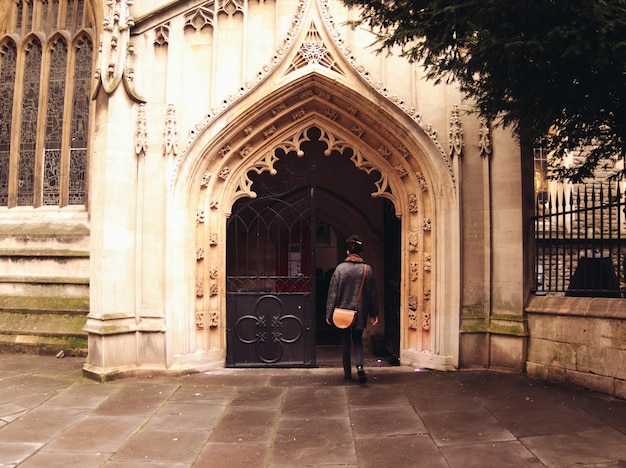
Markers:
<point>312,81</point>
<point>214,174</point>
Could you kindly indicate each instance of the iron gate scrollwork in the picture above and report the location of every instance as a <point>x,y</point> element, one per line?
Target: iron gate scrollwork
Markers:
<point>270,295</point>
<point>267,330</point>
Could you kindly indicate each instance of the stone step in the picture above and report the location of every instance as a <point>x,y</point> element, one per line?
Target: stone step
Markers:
<point>39,324</point>
<point>44,288</point>
<point>26,237</point>
<point>43,267</point>
<point>44,282</point>
<point>43,333</point>
<point>43,318</point>
<point>58,304</point>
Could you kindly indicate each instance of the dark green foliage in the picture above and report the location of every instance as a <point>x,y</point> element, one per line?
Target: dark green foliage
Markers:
<point>544,67</point>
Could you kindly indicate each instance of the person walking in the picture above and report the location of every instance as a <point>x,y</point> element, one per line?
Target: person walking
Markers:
<point>343,292</point>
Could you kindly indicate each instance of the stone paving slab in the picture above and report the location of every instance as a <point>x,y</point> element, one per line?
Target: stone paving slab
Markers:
<point>403,451</point>
<point>386,421</point>
<point>323,441</point>
<point>220,455</point>
<point>187,415</point>
<point>52,416</point>
<point>162,446</point>
<point>45,459</point>
<point>311,402</point>
<point>95,434</point>
<point>509,454</point>
<point>246,425</point>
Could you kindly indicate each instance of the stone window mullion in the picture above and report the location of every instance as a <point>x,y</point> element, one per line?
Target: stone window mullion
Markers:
<point>42,116</point>
<point>67,128</point>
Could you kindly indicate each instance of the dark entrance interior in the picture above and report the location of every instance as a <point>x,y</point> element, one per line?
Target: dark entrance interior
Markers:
<point>283,245</point>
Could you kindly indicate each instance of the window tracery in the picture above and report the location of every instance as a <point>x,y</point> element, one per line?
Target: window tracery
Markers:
<point>54,123</point>
<point>28,131</point>
<point>200,18</point>
<point>231,7</point>
<point>8,60</point>
<point>50,169</point>
<point>77,186</point>
<point>313,51</point>
<point>162,34</point>
<point>455,133</point>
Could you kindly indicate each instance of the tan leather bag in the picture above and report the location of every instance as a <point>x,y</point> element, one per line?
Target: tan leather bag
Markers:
<point>344,318</point>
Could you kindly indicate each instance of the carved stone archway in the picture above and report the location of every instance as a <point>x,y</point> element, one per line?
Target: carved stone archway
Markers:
<point>414,175</point>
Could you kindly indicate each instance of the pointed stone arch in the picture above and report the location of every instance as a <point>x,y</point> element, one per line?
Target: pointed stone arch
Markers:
<point>213,174</point>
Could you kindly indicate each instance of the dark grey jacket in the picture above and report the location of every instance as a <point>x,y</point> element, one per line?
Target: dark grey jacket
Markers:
<point>344,289</point>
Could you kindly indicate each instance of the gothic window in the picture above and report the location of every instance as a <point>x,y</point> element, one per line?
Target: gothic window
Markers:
<point>8,58</point>
<point>54,123</point>
<point>46,71</point>
<point>28,131</point>
<point>80,121</point>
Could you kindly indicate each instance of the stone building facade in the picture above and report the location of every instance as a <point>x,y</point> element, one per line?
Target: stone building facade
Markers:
<point>198,112</point>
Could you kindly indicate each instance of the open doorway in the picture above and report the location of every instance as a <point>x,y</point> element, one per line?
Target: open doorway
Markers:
<point>283,246</point>
<point>384,341</point>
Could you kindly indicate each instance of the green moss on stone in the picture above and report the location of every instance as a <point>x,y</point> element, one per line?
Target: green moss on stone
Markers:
<point>474,328</point>
<point>44,303</point>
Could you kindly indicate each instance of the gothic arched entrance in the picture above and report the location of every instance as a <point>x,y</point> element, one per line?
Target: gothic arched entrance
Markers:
<point>283,245</point>
<point>402,167</point>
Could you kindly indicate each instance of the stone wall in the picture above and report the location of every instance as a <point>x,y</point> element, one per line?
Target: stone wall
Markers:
<point>578,341</point>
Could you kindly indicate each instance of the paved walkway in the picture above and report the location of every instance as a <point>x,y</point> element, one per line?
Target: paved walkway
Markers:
<point>51,416</point>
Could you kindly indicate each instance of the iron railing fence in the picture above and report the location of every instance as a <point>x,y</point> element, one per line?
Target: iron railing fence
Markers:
<point>579,233</point>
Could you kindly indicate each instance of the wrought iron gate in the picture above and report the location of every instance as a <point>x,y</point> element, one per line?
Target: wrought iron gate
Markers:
<point>579,234</point>
<point>270,272</point>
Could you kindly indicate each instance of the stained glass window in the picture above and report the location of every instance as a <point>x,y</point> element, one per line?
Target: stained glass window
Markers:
<point>44,10</point>
<point>50,168</point>
<point>28,134</point>
<point>20,12</point>
<point>79,15</point>
<point>54,124</point>
<point>29,15</point>
<point>53,13</point>
<point>8,57</point>
<point>80,122</point>
<point>70,15</point>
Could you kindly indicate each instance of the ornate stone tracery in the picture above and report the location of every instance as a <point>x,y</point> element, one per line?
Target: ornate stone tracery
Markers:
<point>162,35</point>
<point>116,50</point>
<point>200,18</point>
<point>484,142</point>
<point>312,51</point>
<point>141,132</point>
<point>456,133</point>
<point>170,133</point>
<point>231,7</point>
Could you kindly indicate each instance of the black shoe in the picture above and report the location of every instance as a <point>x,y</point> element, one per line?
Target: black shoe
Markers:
<point>362,376</point>
<point>347,378</point>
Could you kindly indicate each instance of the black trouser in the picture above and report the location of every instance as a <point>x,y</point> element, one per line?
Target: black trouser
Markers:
<point>355,336</point>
